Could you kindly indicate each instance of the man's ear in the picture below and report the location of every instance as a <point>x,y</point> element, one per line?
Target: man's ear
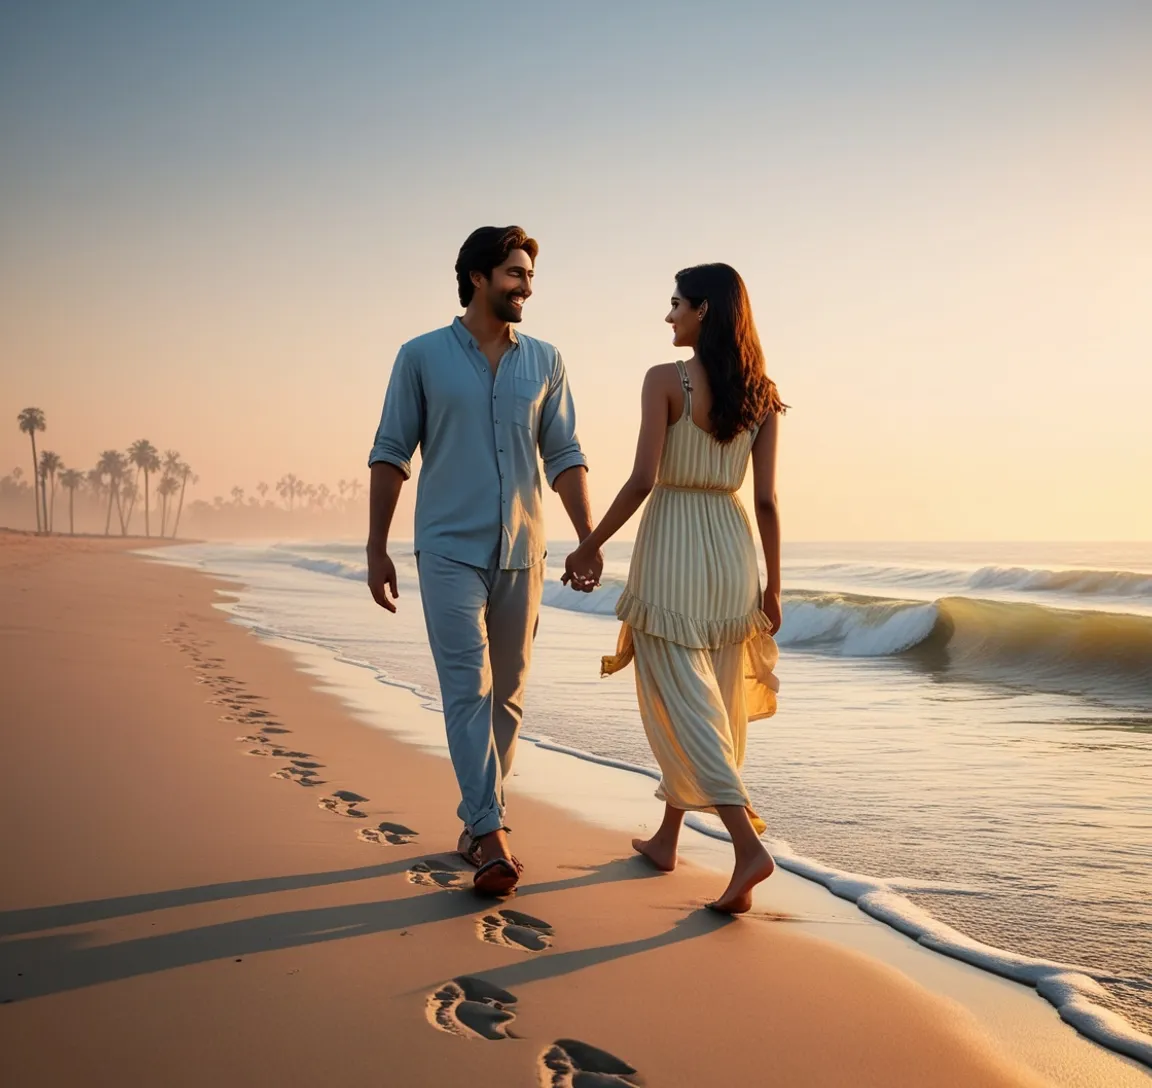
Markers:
<point>478,279</point>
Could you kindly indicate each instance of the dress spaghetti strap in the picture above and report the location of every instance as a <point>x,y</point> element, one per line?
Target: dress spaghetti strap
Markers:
<point>686,382</point>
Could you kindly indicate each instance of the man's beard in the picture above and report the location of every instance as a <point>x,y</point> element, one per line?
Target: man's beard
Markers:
<point>502,307</point>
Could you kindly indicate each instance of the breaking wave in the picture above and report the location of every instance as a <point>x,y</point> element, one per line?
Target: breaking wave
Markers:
<point>1033,645</point>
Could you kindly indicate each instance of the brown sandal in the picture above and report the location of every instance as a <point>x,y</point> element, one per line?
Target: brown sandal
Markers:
<point>498,876</point>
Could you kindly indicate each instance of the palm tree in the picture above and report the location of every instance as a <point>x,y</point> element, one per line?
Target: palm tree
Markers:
<point>129,493</point>
<point>354,487</point>
<point>185,472</point>
<point>95,480</point>
<point>42,484</point>
<point>238,495</point>
<point>153,465</point>
<point>70,479</point>
<point>167,487</point>
<point>171,471</point>
<point>113,465</point>
<point>31,420</point>
<point>146,458</point>
<point>289,487</point>
<point>50,464</point>
<point>262,487</point>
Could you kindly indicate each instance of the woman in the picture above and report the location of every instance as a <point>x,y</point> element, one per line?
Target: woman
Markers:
<point>694,618</point>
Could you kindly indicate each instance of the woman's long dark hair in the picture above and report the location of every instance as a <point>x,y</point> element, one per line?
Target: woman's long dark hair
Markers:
<point>743,395</point>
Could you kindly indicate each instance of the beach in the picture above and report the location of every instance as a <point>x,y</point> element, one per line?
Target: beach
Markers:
<point>961,748</point>
<point>217,872</point>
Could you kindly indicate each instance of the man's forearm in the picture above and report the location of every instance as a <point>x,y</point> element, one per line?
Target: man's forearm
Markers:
<point>572,487</point>
<point>383,493</point>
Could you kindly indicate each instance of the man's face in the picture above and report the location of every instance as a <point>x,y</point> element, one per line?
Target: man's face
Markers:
<point>510,286</point>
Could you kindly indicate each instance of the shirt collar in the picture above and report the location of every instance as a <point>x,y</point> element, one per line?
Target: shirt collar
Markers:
<point>467,339</point>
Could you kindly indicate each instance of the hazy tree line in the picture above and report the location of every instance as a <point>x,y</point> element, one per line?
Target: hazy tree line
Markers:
<point>125,488</point>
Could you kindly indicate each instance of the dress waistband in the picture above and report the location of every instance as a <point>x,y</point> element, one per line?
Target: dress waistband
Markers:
<point>701,490</point>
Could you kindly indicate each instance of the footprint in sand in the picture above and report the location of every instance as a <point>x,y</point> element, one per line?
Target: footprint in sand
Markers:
<point>569,1063</point>
<point>273,750</point>
<point>515,930</point>
<point>301,772</point>
<point>268,728</point>
<point>343,803</point>
<point>472,1009</point>
<point>387,835</point>
<point>249,716</point>
<point>439,873</point>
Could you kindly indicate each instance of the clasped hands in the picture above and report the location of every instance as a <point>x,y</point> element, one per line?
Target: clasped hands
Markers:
<point>582,569</point>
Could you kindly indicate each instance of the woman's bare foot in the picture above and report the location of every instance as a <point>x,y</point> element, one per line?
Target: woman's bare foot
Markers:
<point>660,854</point>
<point>737,897</point>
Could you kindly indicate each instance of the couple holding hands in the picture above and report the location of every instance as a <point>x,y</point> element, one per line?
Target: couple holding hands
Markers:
<point>486,406</point>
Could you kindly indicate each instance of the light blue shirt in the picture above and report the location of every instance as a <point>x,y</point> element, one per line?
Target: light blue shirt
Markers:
<point>479,495</point>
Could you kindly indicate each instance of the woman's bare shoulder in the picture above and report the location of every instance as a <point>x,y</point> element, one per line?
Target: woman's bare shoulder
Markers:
<point>665,375</point>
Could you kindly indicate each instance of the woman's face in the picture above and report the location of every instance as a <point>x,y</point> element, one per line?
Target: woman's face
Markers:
<point>685,321</point>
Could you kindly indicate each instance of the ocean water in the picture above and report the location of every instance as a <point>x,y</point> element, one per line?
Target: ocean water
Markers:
<point>963,745</point>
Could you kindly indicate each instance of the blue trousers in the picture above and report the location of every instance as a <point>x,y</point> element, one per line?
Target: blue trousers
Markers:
<point>481,623</point>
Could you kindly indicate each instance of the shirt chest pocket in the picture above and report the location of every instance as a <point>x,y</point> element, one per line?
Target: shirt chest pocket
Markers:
<point>527,399</point>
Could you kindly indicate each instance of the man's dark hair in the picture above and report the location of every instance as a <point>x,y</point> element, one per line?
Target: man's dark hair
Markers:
<point>485,249</point>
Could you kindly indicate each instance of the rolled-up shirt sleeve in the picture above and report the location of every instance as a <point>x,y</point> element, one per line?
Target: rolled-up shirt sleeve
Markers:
<point>402,420</point>
<point>559,446</point>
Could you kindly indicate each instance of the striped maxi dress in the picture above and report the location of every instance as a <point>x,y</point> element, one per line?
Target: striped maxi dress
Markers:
<point>692,621</point>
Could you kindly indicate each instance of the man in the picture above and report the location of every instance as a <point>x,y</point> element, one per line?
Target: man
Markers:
<point>481,401</point>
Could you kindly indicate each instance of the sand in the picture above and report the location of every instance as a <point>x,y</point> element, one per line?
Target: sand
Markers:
<point>173,913</point>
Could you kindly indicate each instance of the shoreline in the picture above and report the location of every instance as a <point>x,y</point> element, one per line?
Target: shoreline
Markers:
<point>998,986</point>
<point>170,890</point>
<point>1070,989</point>
<point>1023,1024</point>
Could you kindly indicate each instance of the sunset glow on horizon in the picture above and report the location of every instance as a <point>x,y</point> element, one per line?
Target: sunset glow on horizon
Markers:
<point>219,225</point>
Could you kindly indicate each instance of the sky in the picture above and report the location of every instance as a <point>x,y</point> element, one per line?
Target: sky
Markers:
<point>219,221</point>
